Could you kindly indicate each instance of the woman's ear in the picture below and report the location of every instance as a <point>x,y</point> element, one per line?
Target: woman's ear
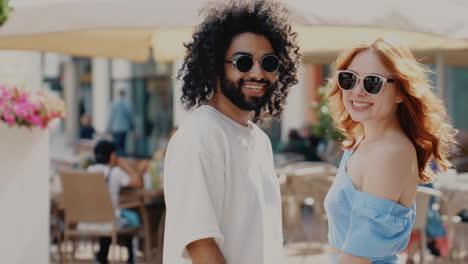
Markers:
<point>400,97</point>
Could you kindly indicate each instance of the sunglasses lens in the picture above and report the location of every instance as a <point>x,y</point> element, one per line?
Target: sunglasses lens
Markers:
<point>347,80</point>
<point>244,63</point>
<point>270,63</point>
<point>373,84</point>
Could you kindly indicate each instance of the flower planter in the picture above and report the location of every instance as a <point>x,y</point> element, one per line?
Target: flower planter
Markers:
<point>24,195</point>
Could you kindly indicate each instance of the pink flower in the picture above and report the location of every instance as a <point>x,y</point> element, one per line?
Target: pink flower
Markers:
<point>8,116</point>
<point>35,120</point>
<point>22,109</point>
<point>5,95</point>
<point>34,107</point>
<point>29,109</point>
<point>23,97</point>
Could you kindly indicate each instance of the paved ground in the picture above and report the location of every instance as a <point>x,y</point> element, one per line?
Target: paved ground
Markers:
<point>305,249</point>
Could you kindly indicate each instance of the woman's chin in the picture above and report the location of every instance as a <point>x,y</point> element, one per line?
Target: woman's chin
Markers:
<point>359,117</point>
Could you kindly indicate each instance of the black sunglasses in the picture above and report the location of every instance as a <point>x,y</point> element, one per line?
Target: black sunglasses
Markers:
<point>244,63</point>
<point>372,83</point>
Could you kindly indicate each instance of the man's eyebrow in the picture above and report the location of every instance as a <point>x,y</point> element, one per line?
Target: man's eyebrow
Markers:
<point>249,54</point>
<point>241,53</point>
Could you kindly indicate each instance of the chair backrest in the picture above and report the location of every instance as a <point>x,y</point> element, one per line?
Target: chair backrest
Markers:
<point>423,197</point>
<point>86,197</point>
<point>315,186</point>
<point>306,184</point>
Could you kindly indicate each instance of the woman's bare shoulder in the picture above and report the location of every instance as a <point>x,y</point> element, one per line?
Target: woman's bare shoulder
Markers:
<point>393,148</point>
<point>392,165</point>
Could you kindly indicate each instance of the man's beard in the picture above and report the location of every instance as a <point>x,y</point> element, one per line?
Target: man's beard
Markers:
<point>234,93</point>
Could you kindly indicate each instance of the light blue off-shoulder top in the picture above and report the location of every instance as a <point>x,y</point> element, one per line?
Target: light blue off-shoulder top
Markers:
<point>365,225</point>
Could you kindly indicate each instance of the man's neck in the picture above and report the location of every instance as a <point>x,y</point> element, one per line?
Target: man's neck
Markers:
<point>223,105</point>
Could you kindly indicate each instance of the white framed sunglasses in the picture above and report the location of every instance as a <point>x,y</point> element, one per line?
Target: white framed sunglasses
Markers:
<point>373,83</point>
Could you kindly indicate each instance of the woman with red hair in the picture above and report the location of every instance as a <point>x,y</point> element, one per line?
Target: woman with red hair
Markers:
<point>381,99</point>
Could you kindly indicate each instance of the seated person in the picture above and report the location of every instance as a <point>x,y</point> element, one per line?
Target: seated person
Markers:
<point>158,160</point>
<point>118,175</point>
<point>295,144</point>
<point>437,241</point>
<point>312,141</point>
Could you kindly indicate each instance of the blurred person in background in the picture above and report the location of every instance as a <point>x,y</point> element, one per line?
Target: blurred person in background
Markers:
<point>222,194</point>
<point>120,122</point>
<point>86,129</point>
<point>155,165</point>
<point>381,99</point>
<point>295,144</point>
<point>312,142</point>
<point>118,175</point>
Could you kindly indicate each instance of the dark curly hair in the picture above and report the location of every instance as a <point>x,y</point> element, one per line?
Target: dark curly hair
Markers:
<point>103,151</point>
<point>204,61</point>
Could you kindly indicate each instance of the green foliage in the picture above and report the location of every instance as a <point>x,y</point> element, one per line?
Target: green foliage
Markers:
<point>5,10</point>
<point>324,127</point>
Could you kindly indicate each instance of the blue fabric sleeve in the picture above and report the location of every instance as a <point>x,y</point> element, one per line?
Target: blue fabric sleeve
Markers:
<point>378,228</point>
<point>132,217</point>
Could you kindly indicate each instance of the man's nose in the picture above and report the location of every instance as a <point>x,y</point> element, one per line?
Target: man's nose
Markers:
<point>256,72</point>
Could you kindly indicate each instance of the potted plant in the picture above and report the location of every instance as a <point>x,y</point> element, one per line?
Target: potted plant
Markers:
<point>330,149</point>
<point>24,172</point>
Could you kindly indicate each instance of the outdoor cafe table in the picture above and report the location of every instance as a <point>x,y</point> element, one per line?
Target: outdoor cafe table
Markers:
<point>310,176</point>
<point>454,190</point>
<point>153,229</point>
<point>152,217</point>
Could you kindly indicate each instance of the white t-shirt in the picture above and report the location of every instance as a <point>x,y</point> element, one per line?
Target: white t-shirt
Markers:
<point>117,179</point>
<point>219,182</point>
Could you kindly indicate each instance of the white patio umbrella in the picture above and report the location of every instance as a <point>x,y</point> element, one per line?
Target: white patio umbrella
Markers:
<point>129,28</point>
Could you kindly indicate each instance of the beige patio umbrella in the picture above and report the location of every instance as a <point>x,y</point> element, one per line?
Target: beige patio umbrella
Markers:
<point>130,28</point>
<point>324,28</point>
<point>321,44</point>
<point>109,28</point>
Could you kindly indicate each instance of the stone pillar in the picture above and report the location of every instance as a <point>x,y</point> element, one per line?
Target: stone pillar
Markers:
<point>71,98</point>
<point>51,65</point>
<point>101,88</point>
<point>294,115</point>
<point>121,72</point>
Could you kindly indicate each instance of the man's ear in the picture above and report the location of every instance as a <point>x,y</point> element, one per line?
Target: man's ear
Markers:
<point>113,158</point>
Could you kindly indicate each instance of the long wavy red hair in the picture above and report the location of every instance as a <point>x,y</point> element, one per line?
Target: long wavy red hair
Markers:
<point>422,115</point>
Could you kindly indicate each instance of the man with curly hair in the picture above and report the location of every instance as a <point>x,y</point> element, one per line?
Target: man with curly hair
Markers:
<point>222,194</point>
